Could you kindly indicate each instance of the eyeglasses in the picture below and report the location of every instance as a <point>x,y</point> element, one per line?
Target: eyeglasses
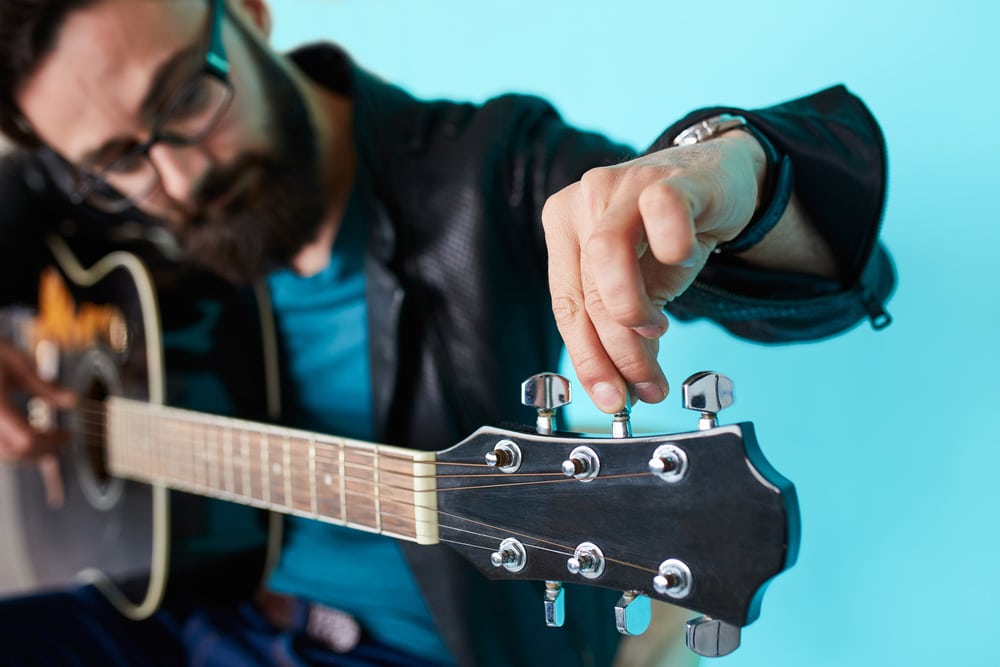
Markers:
<point>189,115</point>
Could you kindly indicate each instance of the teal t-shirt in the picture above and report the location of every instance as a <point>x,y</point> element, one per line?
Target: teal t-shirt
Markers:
<point>322,320</point>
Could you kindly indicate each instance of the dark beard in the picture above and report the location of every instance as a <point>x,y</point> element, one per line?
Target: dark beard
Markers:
<point>280,201</point>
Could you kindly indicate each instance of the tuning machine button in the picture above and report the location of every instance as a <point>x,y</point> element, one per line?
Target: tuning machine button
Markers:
<point>587,561</point>
<point>546,392</point>
<point>511,555</point>
<point>505,457</point>
<point>711,637</point>
<point>555,604</point>
<point>708,393</point>
<point>632,613</point>
<point>673,579</point>
<point>583,464</point>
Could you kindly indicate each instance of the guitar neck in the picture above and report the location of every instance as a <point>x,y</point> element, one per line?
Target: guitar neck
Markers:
<point>366,486</point>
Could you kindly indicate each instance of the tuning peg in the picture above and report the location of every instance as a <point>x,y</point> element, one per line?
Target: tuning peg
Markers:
<point>708,393</point>
<point>632,613</point>
<point>587,561</point>
<point>546,392</point>
<point>555,604</point>
<point>511,555</point>
<point>711,637</point>
<point>621,425</point>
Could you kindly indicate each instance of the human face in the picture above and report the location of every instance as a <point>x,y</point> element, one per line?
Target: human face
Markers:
<point>244,198</point>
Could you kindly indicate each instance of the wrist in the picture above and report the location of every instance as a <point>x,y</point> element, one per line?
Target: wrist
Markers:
<point>773,176</point>
<point>774,185</point>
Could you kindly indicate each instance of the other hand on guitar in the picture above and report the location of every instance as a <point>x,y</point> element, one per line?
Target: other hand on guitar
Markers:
<point>19,439</point>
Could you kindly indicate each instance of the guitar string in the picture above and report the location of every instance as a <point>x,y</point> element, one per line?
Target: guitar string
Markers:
<point>566,549</point>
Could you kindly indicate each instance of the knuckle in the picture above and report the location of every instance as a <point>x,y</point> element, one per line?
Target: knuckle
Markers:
<point>627,312</point>
<point>592,300</point>
<point>590,365</point>
<point>634,366</point>
<point>565,308</point>
<point>598,180</point>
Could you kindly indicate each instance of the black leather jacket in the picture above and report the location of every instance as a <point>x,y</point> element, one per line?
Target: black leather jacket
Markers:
<point>459,307</point>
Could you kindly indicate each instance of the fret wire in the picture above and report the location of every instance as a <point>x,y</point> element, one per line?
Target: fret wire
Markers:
<point>227,449</point>
<point>314,502</point>
<point>289,501</point>
<point>265,474</point>
<point>342,483</point>
<point>211,456</point>
<point>378,515</point>
<point>245,447</point>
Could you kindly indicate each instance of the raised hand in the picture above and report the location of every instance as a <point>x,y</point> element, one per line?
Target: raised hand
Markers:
<point>627,239</point>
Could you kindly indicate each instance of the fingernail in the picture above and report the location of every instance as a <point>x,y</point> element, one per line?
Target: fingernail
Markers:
<point>649,392</point>
<point>607,396</point>
<point>689,262</point>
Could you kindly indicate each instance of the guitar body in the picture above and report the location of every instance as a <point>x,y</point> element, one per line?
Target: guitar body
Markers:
<point>99,331</point>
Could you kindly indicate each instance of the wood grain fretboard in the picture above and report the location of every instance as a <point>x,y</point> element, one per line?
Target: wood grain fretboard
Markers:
<point>378,488</point>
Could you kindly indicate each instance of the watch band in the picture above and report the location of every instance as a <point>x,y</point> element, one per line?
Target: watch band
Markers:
<point>778,185</point>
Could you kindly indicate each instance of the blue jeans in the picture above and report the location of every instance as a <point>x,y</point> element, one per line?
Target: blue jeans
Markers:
<point>79,627</point>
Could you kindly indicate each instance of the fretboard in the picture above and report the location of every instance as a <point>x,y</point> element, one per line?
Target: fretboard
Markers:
<point>378,488</point>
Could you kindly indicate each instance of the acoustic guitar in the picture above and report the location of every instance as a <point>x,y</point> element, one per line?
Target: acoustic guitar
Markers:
<point>697,519</point>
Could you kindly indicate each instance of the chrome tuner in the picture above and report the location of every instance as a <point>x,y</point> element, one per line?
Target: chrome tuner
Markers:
<point>669,463</point>
<point>673,579</point>
<point>555,604</point>
<point>511,555</point>
<point>587,561</point>
<point>505,457</point>
<point>633,613</point>
<point>708,393</point>
<point>583,464</point>
<point>711,637</point>
<point>546,392</point>
<point>621,424</point>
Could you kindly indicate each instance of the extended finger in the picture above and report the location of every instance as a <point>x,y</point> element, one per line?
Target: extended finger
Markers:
<point>611,262</point>
<point>594,368</point>
<point>634,356</point>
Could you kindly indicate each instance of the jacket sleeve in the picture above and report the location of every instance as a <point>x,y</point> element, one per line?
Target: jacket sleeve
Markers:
<point>838,158</point>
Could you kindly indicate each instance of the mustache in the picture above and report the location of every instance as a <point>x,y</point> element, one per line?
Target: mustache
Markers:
<point>251,216</point>
<point>234,183</point>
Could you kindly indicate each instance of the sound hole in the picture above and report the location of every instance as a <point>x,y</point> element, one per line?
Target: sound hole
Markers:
<point>94,432</point>
<point>96,379</point>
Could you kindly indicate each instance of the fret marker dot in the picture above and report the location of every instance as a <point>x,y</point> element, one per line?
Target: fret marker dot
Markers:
<point>328,479</point>
<point>276,468</point>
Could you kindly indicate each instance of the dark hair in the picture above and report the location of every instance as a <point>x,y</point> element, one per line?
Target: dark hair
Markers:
<point>28,29</point>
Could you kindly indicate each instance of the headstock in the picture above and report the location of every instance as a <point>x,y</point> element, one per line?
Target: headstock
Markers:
<point>696,519</point>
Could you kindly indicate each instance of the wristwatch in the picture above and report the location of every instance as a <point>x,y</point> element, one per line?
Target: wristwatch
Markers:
<point>708,128</point>
<point>777,180</point>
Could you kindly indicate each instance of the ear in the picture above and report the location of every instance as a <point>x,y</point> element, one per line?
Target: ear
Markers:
<point>256,13</point>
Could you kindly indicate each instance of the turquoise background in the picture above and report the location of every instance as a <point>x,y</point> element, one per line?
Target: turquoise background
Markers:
<point>886,435</point>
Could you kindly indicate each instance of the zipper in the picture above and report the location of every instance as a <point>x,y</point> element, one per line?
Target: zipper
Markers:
<point>814,306</point>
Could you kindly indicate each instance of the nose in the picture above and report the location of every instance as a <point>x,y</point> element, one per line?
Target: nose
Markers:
<point>181,168</point>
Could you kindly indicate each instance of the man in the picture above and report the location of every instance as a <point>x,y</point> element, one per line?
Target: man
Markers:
<point>404,245</point>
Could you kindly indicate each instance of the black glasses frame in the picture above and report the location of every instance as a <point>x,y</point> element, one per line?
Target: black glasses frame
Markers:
<point>89,182</point>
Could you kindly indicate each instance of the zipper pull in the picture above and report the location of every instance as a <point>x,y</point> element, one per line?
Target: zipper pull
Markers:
<point>880,319</point>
